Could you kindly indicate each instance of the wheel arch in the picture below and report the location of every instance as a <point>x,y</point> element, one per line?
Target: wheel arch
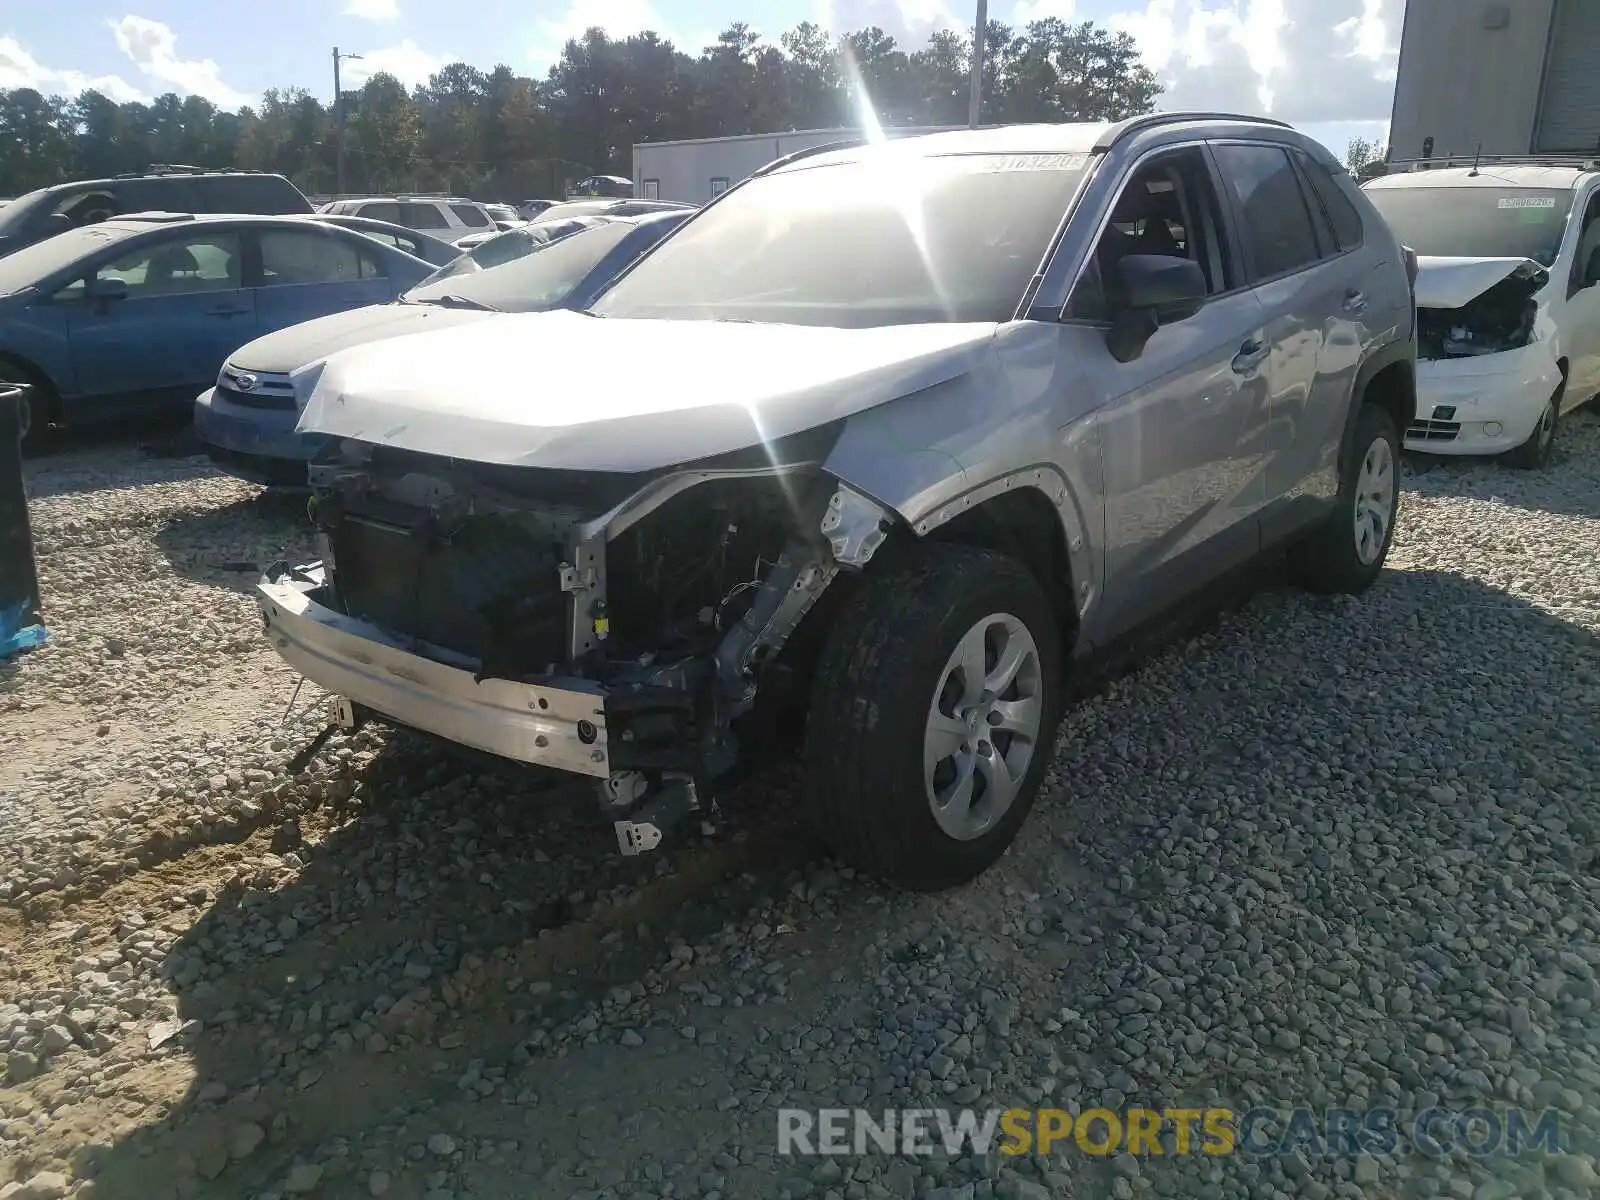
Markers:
<point>1024,523</point>
<point>1388,378</point>
<point>44,386</point>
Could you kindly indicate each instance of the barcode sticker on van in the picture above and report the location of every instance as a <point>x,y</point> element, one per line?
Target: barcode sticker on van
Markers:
<point>1526,202</point>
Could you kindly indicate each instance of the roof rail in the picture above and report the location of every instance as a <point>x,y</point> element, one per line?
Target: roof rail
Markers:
<point>807,152</point>
<point>1587,162</point>
<point>1149,120</point>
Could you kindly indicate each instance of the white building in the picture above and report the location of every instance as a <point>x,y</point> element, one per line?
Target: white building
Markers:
<point>701,169</point>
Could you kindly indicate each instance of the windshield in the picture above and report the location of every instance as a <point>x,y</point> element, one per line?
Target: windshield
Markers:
<point>535,281</point>
<point>893,239</point>
<point>43,259</point>
<point>14,214</point>
<point>1477,222</point>
<point>508,247</point>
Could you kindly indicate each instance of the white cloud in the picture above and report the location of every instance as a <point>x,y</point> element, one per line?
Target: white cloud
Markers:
<point>909,22</point>
<point>407,62</point>
<point>153,48</point>
<point>1028,11</point>
<point>1300,60</point>
<point>19,69</point>
<point>619,18</point>
<point>373,10</point>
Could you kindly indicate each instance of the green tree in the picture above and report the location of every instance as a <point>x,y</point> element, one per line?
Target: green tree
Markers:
<point>501,135</point>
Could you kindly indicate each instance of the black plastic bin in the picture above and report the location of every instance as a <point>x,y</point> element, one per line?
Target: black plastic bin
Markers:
<point>19,573</point>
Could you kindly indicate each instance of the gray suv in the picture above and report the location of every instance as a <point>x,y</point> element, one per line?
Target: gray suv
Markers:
<point>883,441</point>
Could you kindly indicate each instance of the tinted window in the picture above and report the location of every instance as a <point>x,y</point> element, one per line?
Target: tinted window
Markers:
<point>382,210</point>
<point>422,216</point>
<point>295,256</point>
<point>1277,225</point>
<point>178,266</point>
<point>892,237</point>
<point>1341,213</point>
<point>471,215</point>
<point>1477,221</point>
<point>264,194</point>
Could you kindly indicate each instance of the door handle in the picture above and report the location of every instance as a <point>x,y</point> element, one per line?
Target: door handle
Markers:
<point>1355,301</point>
<point>1251,355</point>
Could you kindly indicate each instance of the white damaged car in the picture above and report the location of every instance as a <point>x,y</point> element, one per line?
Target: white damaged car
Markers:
<point>1508,299</point>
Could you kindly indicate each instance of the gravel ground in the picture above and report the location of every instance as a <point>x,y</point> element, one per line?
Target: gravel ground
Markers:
<point>1318,852</point>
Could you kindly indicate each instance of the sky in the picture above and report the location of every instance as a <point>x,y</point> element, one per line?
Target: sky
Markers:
<point>1326,66</point>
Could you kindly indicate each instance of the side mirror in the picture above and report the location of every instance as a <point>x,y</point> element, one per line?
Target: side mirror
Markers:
<point>1153,290</point>
<point>105,292</point>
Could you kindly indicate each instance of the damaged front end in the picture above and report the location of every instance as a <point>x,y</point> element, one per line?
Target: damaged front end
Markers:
<point>617,626</point>
<point>1503,316</point>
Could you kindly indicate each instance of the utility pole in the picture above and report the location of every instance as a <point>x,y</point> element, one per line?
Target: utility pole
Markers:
<point>979,29</point>
<point>338,117</point>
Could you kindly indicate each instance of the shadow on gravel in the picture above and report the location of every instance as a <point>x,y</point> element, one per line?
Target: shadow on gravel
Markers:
<point>377,927</point>
<point>58,469</point>
<point>404,930</point>
<point>1496,482</point>
<point>229,546</point>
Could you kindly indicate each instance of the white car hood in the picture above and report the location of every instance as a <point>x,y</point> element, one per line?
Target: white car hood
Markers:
<point>564,390</point>
<point>1456,282</point>
<point>288,349</point>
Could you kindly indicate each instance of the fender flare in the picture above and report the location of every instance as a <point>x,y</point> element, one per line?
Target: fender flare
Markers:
<point>1049,482</point>
<point>1387,355</point>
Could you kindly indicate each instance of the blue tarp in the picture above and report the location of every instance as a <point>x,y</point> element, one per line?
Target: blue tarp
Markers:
<point>16,637</point>
<point>20,620</point>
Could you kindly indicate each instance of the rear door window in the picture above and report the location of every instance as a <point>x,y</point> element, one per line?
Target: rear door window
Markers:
<point>1336,206</point>
<point>291,256</point>
<point>422,216</point>
<point>1278,234</point>
<point>261,194</point>
<point>471,215</point>
<point>381,210</point>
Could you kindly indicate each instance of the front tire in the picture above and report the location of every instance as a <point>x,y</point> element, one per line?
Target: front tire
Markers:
<point>932,716</point>
<point>1535,452</point>
<point>1345,554</point>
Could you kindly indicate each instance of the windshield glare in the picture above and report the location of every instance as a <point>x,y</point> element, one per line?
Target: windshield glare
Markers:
<point>1478,221</point>
<point>893,238</point>
<point>507,247</point>
<point>539,280</point>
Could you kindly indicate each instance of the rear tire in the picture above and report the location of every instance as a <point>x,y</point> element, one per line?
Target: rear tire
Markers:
<point>1535,452</point>
<point>38,406</point>
<point>932,716</point>
<point>1345,554</point>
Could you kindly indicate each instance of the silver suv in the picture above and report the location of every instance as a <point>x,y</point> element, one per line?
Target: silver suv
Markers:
<point>871,450</point>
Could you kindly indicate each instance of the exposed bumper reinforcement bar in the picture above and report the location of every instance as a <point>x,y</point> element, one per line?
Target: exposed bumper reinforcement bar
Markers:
<point>561,727</point>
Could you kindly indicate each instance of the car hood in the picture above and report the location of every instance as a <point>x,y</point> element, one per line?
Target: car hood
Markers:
<point>565,390</point>
<point>1456,282</point>
<point>284,350</point>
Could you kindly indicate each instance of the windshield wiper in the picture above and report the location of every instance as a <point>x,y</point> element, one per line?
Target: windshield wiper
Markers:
<point>455,300</point>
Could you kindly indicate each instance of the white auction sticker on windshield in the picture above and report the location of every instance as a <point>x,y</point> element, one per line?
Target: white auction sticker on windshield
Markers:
<point>1526,202</point>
